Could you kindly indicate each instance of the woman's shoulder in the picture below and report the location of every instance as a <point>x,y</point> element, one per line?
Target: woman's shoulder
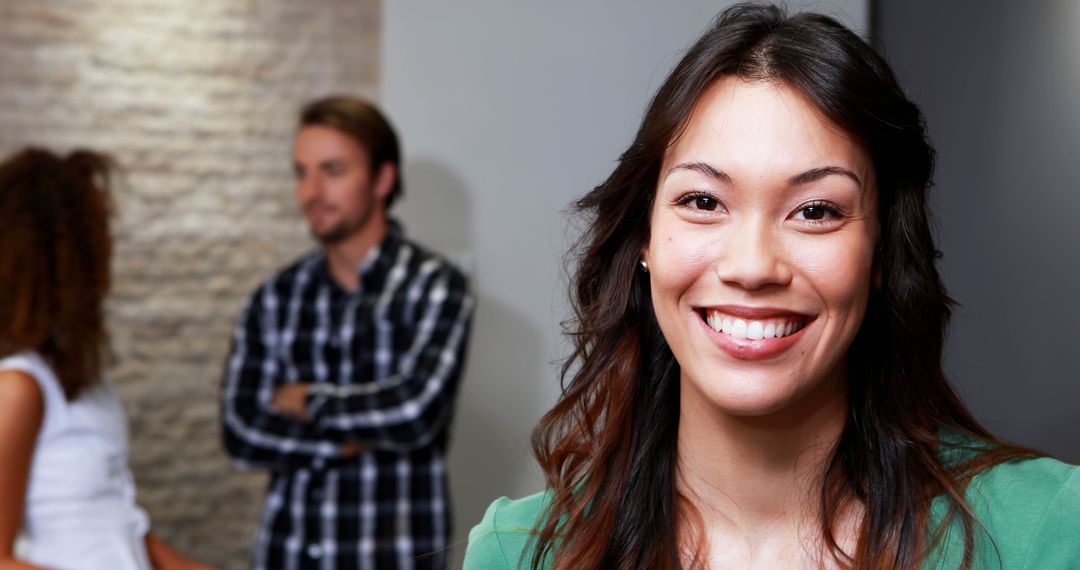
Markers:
<point>29,366</point>
<point>22,411</point>
<point>502,538</point>
<point>1032,478</point>
<point>1030,508</point>
<point>1028,491</point>
<point>19,389</point>
<point>32,364</point>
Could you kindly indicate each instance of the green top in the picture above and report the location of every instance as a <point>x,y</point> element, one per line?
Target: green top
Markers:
<point>1030,510</point>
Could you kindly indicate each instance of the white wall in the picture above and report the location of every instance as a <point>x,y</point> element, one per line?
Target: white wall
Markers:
<point>509,111</point>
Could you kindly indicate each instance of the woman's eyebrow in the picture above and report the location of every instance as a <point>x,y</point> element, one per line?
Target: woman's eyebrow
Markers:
<point>703,168</point>
<point>807,177</point>
<point>816,174</point>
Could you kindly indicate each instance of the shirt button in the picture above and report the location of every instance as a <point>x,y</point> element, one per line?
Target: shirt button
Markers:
<point>314,551</point>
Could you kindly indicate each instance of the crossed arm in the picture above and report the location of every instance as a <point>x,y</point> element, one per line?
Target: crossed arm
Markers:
<point>273,424</point>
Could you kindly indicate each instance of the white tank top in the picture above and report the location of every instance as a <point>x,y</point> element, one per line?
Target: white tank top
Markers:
<point>80,500</point>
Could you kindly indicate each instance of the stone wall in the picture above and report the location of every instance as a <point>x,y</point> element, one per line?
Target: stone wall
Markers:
<point>196,101</point>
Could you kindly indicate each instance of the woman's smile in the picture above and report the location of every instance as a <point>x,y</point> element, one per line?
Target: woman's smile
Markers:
<point>761,248</point>
<point>752,333</point>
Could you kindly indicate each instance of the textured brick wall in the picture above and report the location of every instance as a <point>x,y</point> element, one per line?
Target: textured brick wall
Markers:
<point>196,100</point>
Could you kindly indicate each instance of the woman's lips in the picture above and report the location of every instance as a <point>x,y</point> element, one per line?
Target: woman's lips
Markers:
<point>754,329</point>
<point>750,333</point>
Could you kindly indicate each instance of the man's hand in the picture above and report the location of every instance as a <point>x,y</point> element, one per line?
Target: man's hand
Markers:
<point>352,449</point>
<point>290,400</point>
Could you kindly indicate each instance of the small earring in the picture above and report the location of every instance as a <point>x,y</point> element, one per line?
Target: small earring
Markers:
<point>644,266</point>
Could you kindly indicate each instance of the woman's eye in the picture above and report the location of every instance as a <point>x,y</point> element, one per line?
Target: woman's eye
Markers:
<point>814,212</point>
<point>701,202</point>
<point>704,203</point>
<point>818,212</point>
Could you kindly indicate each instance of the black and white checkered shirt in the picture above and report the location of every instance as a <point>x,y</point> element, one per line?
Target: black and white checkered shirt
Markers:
<point>384,364</point>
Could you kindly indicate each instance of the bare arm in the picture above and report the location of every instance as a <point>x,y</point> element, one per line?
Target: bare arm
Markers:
<point>22,408</point>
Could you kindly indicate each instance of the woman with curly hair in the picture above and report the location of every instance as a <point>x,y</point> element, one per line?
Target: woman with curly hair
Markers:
<point>757,377</point>
<point>64,478</point>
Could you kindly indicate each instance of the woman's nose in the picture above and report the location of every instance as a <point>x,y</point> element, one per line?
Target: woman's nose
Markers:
<point>753,256</point>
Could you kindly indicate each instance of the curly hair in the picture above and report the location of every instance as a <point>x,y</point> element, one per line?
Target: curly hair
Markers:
<point>54,263</point>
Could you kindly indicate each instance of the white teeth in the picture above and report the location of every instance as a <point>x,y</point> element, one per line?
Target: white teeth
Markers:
<point>755,331</point>
<point>751,329</point>
<point>714,321</point>
<point>738,330</point>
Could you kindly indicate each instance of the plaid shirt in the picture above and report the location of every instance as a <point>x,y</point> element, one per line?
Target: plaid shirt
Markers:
<point>384,364</point>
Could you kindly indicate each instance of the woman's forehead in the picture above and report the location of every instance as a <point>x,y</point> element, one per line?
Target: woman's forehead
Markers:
<point>745,128</point>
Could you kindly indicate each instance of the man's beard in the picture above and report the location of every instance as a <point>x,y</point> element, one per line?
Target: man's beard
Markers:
<point>340,231</point>
<point>346,228</point>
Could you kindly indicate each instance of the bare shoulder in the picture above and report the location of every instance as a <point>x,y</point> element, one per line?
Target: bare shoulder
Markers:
<point>21,398</point>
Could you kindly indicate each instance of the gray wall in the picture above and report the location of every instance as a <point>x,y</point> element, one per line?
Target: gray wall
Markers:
<point>508,111</point>
<point>999,83</point>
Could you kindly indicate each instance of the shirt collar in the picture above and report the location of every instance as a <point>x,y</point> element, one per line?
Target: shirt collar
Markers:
<point>376,265</point>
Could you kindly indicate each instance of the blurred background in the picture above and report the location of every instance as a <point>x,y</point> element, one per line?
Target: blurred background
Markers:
<point>999,83</point>
<point>508,112</point>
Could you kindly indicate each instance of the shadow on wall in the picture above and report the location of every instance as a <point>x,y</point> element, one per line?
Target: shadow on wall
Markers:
<point>488,444</point>
<point>436,211</point>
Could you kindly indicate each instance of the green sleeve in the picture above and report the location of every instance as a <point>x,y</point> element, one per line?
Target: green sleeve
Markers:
<point>485,550</point>
<point>503,539</point>
<point>1056,541</point>
<point>1028,518</point>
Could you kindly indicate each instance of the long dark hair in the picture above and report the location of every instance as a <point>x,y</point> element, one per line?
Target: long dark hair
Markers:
<point>54,261</point>
<point>607,448</point>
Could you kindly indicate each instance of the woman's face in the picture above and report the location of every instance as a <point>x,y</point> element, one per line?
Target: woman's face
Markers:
<point>761,250</point>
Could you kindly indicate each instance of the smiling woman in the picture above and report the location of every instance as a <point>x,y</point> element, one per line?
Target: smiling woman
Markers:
<point>761,224</point>
<point>757,377</point>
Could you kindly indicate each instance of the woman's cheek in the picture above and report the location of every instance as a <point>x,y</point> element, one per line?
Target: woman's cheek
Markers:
<point>681,259</point>
<point>841,266</point>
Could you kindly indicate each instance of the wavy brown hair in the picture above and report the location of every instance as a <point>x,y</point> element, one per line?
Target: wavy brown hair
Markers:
<point>607,448</point>
<point>54,261</point>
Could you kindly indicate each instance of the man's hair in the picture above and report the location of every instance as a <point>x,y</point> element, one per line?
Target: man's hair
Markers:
<point>364,123</point>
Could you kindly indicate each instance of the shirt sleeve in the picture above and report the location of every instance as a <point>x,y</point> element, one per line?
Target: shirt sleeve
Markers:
<point>505,538</point>
<point>485,549</point>
<point>1056,543</point>
<point>256,436</point>
<point>408,410</point>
